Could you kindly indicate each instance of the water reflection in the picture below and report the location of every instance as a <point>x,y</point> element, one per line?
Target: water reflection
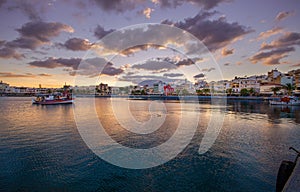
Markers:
<point>41,148</point>
<point>275,113</point>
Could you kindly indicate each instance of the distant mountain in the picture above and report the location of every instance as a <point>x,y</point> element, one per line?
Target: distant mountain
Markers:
<point>148,82</point>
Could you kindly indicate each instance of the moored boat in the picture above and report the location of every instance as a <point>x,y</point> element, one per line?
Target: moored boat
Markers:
<point>53,99</point>
<point>287,100</point>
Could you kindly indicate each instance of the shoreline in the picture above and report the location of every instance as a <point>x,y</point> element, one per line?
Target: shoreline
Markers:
<point>163,97</point>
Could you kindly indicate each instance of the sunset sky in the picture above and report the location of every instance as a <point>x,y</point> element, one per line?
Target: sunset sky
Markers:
<point>58,41</point>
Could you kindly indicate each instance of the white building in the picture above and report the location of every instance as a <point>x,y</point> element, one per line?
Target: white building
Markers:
<point>4,87</point>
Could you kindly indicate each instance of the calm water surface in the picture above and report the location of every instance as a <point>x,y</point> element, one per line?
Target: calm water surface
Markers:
<point>41,149</point>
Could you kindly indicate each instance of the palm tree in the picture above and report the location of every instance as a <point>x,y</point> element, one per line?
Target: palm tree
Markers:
<point>289,87</point>
<point>275,90</point>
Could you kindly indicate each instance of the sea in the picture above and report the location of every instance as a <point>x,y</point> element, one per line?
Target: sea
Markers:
<point>44,148</point>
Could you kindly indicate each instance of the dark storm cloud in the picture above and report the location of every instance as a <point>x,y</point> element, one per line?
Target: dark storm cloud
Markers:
<point>57,62</point>
<point>77,44</point>
<point>101,32</point>
<point>43,30</point>
<point>288,39</point>
<point>215,34</point>
<point>201,75</point>
<point>272,57</point>
<point>8,53</point>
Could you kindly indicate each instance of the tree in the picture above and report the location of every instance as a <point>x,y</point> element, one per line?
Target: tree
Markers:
<point>206,91</point>
<point>275,90</point>
<point>143,92</point>
<point>244,92</point>
<point>199,92</point>
<point>289,87</point>
<point>251,91</point>
<point>229,91</point>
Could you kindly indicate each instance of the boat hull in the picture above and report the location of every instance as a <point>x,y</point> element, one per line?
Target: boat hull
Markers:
<point>290,103</point>
<point>53,102</point>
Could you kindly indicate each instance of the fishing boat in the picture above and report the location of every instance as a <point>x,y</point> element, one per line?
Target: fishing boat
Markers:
<point>286,100</point>
<point>53,99</point>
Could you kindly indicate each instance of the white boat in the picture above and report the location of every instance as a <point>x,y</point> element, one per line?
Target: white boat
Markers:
<point>287,100</point>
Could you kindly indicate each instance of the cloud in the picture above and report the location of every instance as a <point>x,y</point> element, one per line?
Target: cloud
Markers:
<point>200,75</point>
<point>288,39</point>
<point>75,66</point>
<point>283,15</point>
<point>147,12</point>
<point>2,2</point>
<point>164,64</point>
<point>184,62</point>
<point>43,30</point>
<point>2,42</point>
<point>156,65</point>
<point>269,33</point>
<point>272,57</point>
<point>15,75</point>
<point>100,32</point>
<point>206,4</point>
<point>7,53</point>
<point>52,63</point>
<point>93,67</point>
<point>215,34</point>
<point>77,44</point>
<point>226,51</point>
<point>209,69</point>
<point>134,49</point>
<point>25,43</point>
<point>173,75</point>
<point>296,65</point>
<point>120,6</point>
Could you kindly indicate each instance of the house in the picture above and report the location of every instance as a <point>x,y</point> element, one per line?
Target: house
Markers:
<point>267,88</point>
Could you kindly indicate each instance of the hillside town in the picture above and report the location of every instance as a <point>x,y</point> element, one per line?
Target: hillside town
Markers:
<point>272,83</point>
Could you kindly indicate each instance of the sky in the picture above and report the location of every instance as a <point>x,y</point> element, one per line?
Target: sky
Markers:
<point>123,42</point>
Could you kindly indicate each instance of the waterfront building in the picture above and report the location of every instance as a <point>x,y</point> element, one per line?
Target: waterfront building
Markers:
<point>4,87</point>
<point>252,82</point>
<point>168,90</point>
<point>297,81</point>
<point>267,88</point>
<point>103,89</point>
<point>273,74</point>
